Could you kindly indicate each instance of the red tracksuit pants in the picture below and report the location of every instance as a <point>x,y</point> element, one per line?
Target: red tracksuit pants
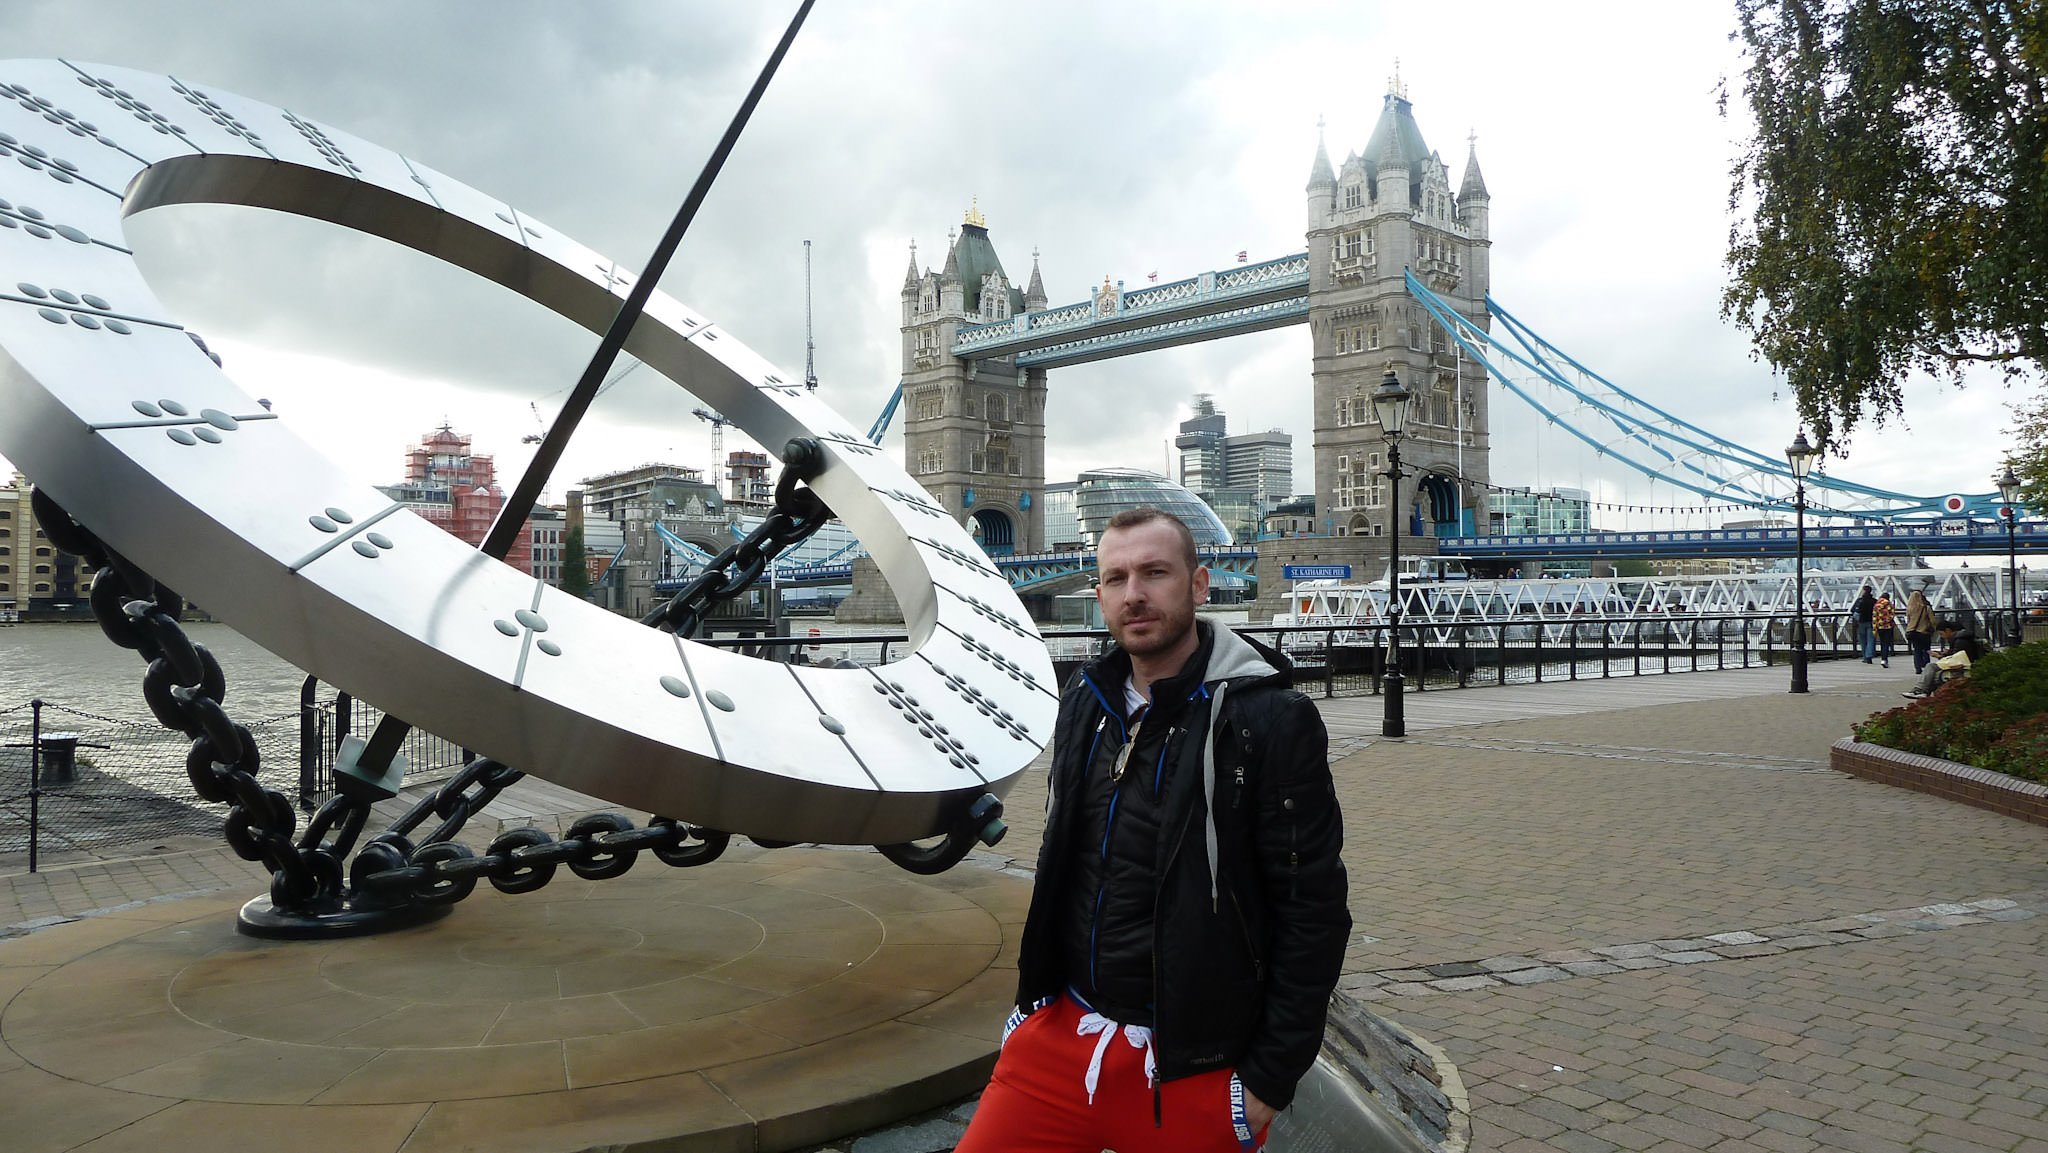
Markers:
<point>1039,1099</point>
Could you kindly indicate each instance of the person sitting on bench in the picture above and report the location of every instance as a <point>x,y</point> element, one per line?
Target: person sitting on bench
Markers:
<point>1959,648</point>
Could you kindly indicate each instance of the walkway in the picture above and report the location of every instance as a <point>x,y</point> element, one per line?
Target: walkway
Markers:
<point>1639,914</point>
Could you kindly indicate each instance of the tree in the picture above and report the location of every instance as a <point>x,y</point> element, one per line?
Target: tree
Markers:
<point>1892,209</point>
<point>1634,566</point>
<point>575,572</point>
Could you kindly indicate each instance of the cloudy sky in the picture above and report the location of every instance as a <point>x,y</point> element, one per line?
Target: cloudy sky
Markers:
<point>1116,139</point>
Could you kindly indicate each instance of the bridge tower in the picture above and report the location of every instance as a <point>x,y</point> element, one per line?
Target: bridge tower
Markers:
<point>1389,209</point>
<point>974,430</point>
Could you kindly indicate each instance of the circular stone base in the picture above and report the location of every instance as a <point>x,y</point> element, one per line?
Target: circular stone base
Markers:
<point>770,1000</point>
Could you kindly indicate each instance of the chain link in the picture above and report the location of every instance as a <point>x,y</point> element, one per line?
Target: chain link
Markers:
<point>798,514</point>
<point>184,687</point>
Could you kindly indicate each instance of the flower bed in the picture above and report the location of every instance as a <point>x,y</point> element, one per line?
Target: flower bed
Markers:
<point>1995,718</point>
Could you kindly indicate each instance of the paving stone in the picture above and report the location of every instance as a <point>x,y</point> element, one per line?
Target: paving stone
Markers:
<point>1626,952</point>
<point>1993,904</point>
<point>1688,958</point>
<point>1455,969</point>
<point>1466,984</point>
<point>1682,944</point>
<point>1408,989</point>
<point>1590,968</point>
<point>2011,915</point>
<point>938,1136</point>
<point>1535,976</point>
<point>1641,962</point>
<point>1509,964</point>
<point>1760,950</point>
<point>1567,956</point>
<point>1736,938</point>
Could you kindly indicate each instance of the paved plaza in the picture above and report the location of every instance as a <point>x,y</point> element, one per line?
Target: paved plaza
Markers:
<point>1637,914</point>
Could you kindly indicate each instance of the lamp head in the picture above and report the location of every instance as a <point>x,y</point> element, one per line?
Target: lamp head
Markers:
<point>2008,486</point>
<point>1800,455</point>
<point>1390,402</point>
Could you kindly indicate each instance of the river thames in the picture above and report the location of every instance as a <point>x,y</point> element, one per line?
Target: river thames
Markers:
<point>76,666</point>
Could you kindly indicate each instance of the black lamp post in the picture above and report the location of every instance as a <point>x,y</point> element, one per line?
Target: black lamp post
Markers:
<point>1800,456</point>
<point>1390,402</point>
<point>2009,492</point>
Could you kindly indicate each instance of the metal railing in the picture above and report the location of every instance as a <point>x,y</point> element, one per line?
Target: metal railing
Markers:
<point>79,781</point>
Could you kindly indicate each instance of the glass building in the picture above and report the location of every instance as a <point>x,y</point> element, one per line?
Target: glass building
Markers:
<point>1105,492</point>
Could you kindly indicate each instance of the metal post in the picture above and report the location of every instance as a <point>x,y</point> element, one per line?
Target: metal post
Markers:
<point>309,743</point>
<point>2012,569</point>
<point>1329,664</point>
<point>35,778</point>
<point>1799,588</point>
<point>1393,721</point>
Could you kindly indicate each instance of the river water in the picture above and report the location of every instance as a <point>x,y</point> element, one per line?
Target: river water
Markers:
<point>76,666</point>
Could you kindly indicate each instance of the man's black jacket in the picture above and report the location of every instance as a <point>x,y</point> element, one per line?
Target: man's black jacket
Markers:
<point>1244,952</point>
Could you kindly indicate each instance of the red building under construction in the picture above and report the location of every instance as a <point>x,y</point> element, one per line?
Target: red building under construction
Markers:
<point>458,490</point>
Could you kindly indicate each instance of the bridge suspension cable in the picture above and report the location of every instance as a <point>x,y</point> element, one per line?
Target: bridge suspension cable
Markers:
<point>1622,426</point>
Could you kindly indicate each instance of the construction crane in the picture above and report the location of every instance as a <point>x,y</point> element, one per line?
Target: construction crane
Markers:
<point>534,437</point>
<point>810,349</point>
<point>718,424</point>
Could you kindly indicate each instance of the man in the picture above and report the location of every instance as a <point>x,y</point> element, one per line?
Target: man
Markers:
<point>1861,612</point>
<point>1960,648</point>
<point>1189,917</point>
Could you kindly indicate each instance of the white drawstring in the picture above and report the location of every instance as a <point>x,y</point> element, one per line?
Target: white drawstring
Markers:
<point>1138,1035</point>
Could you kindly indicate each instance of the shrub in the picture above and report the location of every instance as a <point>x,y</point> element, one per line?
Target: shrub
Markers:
<point>1994,718</point>
<point>2022,751</point>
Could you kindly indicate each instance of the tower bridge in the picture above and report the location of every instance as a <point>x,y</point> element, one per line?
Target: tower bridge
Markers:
<point>1396,274</point>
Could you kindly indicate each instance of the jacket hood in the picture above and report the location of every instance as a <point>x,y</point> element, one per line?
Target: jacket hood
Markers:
<point>1235,657</point>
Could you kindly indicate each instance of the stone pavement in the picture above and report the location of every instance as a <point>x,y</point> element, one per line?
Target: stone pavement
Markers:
<point>1876,984</point>
<point>1638,914</point>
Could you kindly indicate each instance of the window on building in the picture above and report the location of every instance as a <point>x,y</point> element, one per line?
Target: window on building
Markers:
<point>43,587</point>
<point>42,570</point>
<point>997,410</point>
<point>1351,245</point>
<point>969,407</point>
<point>1354,195</point>
<point>1342,336</point>
<point>996,461</point>
<point>977,462</point>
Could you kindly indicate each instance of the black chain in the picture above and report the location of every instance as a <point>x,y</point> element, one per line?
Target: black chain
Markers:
<point>184,687</point>
<point>798,514</point>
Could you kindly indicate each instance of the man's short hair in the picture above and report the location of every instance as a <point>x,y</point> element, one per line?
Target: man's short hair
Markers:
<point>1945,626</point>
<point>1133,517</point>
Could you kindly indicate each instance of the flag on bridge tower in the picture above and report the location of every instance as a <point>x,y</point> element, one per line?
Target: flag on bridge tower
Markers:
<point>1243,254</point>
<point>1153,276</point>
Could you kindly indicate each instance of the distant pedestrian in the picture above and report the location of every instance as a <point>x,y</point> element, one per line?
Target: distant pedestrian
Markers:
<point>1919,629</point>
<point>1860,613</point>
<point>1884,619</point>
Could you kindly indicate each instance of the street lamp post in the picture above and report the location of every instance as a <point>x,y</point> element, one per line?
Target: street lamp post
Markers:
<point>2009,492</point>
<point>1800,456</point>
<point>1390,402</point>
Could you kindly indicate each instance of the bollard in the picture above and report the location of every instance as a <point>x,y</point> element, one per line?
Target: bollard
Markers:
<point>59,758</point>
<point>35,778</point>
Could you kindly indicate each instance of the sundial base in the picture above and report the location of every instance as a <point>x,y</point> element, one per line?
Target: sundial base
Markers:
<point>260,918</point>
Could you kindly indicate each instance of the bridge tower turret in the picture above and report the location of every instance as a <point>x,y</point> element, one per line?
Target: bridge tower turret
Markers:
<point>974,430</point>
<point>1381,213</point>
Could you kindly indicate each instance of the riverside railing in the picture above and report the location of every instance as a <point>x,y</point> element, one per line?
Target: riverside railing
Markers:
<point>75,781</point>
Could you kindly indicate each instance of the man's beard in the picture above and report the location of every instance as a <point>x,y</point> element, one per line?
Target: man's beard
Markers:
<point>1170,626</point>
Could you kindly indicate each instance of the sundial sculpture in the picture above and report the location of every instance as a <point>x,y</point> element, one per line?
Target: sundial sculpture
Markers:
<point>125,422</point>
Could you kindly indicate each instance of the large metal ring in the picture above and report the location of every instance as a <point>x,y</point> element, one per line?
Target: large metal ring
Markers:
<point>105,402</point>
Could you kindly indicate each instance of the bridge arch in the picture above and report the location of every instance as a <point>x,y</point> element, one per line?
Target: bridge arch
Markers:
<point>1437,502</point>
<point>996,531</point>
